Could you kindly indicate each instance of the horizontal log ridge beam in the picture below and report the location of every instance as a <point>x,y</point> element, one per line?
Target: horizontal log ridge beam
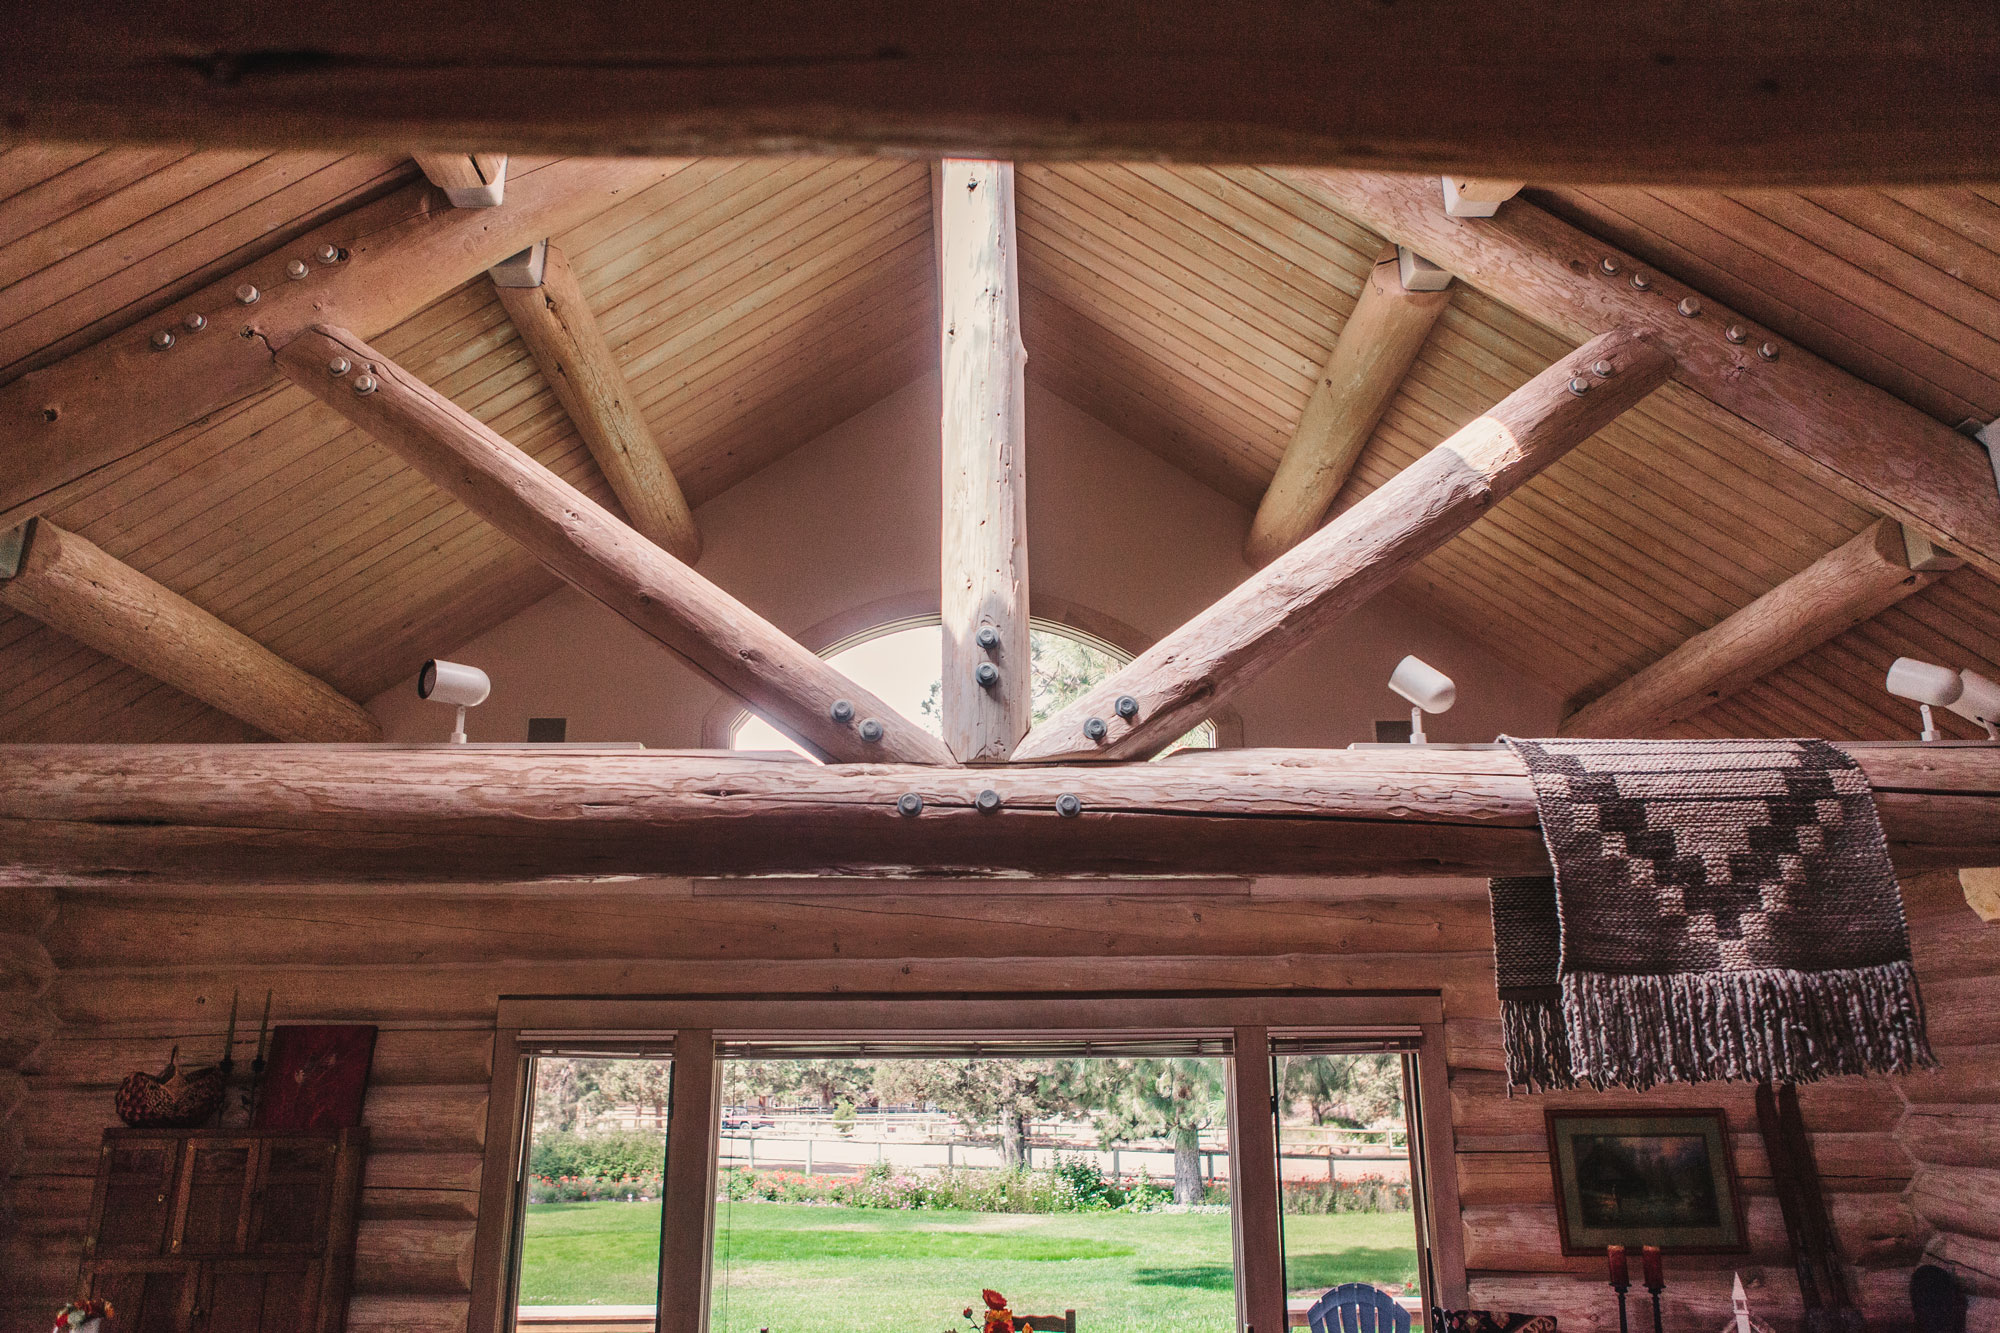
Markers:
<point>74,588</point>
<point>1861,441</point>
<point>584,543</point>
<point>296,814</point>
<point>1550,90</point>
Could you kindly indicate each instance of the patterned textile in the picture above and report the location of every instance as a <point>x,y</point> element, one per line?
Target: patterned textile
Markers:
<point>1494,1321</point>
<point>1720,910</point>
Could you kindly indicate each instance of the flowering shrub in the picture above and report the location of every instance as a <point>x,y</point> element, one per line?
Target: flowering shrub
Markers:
<point>609,1155</point>
<point>1363,1194</point>
<point>1071,1186</point>
<point>636,1185</point>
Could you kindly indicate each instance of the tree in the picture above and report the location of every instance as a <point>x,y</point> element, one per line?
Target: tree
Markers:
<point>823,1082</point>
<point>1174,1099</point>
<point>647,1084</point>
<point>1354,1090</point>
<point>569,1093</point>
<point>983,1094</point>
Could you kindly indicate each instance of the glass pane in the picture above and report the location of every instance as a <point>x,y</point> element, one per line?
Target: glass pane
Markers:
<point>217,1177</point>
<point>869,1195</point>
<point>596,1151</point>
<point>1344,1172</point>
<point>292,1199</point>
<point>138,1193</point>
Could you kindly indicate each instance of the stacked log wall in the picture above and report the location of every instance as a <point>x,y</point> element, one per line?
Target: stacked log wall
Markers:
<point>142,970</point>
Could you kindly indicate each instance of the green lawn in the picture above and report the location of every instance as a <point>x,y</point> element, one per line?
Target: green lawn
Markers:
<point>798,1269</point>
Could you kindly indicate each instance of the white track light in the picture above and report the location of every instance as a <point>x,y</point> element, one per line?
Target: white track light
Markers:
<point>1966,693</point>
<point>453,683</point>
<point>1427,689</point>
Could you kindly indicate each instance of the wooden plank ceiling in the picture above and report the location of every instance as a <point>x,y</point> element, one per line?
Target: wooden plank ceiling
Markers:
<point>754,304</point>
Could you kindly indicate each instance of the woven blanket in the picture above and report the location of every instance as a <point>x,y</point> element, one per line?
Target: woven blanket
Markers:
<point>1719,910</point>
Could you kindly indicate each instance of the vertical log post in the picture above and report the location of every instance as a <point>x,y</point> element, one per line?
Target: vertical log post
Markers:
<point>687,1209</point>
<point>987,691</point>
<point>1253,1184</point>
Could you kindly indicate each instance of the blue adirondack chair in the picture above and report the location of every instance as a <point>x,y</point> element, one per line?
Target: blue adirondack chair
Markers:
<point>1356,1307</point>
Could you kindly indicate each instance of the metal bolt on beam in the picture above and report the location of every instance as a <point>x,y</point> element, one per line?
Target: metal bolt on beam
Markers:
<point>1643,281</point>
<point>329,254</point>
<point>987,675</point>
<point>194,323</point>
<point>870,730</point>
<point>1579,386</point>
<point>1068,805</point>
<point>1127,707</point>
<point>247,295</point>
<point>988,801</point>
<point>297,269</point>
<point>1604,370</point>
<point>1689,306</point>
<point>1608,266</point>
<point>909,805</point>
<point>987,638</point>
<point>1736,333</point>
<point>1769,351</point>
<point>1095,729</point>
<point>365,384</point>
<point>339,366</point>
<point>841,712</point>
<point>162,339</point>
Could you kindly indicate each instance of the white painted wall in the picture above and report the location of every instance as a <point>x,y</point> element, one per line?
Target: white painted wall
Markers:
<point>851,521</point>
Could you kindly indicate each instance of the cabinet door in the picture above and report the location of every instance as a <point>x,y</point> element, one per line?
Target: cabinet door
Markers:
<point>135,1200</point>
<point>294,1191</point>
<point>256,1296</point>
<point>216,1175</point>
<point>149,1298</point>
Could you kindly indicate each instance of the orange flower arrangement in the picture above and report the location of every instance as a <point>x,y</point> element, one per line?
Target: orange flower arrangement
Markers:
<point>999,1319</point>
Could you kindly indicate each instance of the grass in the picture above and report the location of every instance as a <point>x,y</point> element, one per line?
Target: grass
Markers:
<point>799,1269</point>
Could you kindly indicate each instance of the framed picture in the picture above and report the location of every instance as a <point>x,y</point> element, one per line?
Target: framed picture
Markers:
<point>317,1077</point>
<point>1646,1177</point>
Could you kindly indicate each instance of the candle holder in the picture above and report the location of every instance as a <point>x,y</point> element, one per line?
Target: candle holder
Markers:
<point>1621,1281</point>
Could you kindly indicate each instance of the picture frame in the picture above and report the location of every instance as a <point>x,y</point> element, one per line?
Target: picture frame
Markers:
<point>1646,1176</point>
<point>317,1078</point>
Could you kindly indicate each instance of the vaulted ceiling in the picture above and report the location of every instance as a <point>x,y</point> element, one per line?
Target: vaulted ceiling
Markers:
<point>755,303</point>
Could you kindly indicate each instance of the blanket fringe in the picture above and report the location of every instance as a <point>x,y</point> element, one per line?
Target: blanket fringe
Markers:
<point>1536,1042</point>
<point>1771,1025</point>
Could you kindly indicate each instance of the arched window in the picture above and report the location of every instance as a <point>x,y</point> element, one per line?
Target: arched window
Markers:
<point>902,664</point>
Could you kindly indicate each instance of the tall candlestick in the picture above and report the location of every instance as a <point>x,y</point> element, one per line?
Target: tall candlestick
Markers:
<point>1621,1272</point>
<point>263,1031</point>
<point>229,1042</point>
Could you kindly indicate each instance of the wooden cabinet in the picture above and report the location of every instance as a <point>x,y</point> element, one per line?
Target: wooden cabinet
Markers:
<point>214,1231</point>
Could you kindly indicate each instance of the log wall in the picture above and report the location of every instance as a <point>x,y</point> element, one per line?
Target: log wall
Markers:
<point>1951,1122</point>
<point>142,970</point>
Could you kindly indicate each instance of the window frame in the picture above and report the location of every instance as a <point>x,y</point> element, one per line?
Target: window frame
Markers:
<point>689,1028</point>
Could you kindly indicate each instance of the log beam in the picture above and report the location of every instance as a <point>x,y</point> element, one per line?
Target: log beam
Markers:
<point>1546,91</point>
<point>1375,350</point>
<point>73,587</point>
<point>1185,676</point>
<point>1873,448</point>
<point>392,258</point>
<point>987,692</point>
<point>220,814</point>
<point>556,323</point>
<point>469,180</point>
<point>584,543</point>
<point>1854,582</point>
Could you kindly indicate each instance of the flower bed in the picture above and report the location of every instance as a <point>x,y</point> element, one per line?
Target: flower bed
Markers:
<point>1363,1194</point>
<point>637,1186</point>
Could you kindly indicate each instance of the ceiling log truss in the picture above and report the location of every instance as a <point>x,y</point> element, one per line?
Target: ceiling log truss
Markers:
<point>1883,456</point>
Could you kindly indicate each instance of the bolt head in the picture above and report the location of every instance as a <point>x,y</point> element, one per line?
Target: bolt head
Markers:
<point>987,638</point>
<point>1095,729</point>
<point>1579,386</point>
<point>870,730</point>
<point>329,254</point>
<point>1608,266</point>
<point>1736,333</point>
<point>1769,351</point>
<point>296,269</point>
<point>339,366</point>
<point>365,384</point>
<point>1689,306</point>
<point>1643,281</point>
<point>842,711</point>
<point>195,323</point>
<point>988,801</point>
<point>1127,707</point>
<point>162,339</point>
<point>909,805</point>
<point>987,675</point>
<point>1604,370</point>
<point>1068,806</point>
<point>247,295</point>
